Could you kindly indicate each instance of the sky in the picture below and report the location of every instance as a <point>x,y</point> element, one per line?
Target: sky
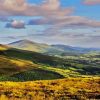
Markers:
<point>69,22</point>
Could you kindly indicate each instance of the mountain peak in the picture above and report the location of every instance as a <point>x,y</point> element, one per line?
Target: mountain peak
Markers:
<point>29,45</point>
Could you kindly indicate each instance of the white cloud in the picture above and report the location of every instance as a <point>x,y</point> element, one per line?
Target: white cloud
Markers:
<point>16,24</point>
<point>21,7</point>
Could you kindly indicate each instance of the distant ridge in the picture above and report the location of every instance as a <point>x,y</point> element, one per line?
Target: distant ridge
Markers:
<point>76,49</point>
<point>57,49</point>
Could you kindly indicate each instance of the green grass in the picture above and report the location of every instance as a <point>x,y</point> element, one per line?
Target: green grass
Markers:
<point>37,74</point>
<point>30,75</point>
<point>22,70</point>
<point>82,66</point>
<point>21,65</point>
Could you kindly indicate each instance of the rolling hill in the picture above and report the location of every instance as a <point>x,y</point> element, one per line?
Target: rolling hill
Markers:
<point>27,75</point>
<point>54,65</point>
<point>17,68</point>
<point>58,49</point>
<point>29,45</point>
<point>76,49</point>
<point>36,47</point>
<point>21,70</point>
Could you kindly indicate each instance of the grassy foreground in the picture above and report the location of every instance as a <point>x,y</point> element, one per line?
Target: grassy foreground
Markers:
<point>61,89</point>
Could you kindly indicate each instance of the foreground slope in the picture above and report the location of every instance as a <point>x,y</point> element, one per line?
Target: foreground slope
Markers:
<point>22,70</point>
<point>65,89</point>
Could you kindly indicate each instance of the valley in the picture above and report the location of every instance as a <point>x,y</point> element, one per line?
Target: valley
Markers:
<point>72,66</point>
<point>47,76</point>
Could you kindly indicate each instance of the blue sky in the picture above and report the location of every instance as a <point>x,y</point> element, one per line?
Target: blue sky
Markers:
<point>80,10</point>
<point>69,22</point>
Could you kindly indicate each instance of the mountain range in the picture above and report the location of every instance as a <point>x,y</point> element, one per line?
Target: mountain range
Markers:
<point>56,49</point>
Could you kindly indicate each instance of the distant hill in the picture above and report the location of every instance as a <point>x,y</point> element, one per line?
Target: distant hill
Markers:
<point>38,47</point>
<point>66,48</point>
<point>29,45</point>
<point>60,50</point>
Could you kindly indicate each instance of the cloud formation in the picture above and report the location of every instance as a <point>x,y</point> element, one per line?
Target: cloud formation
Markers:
<point>16,24</point>
<point>21,7</point>
<point>50,10</point>
<point>77,21</point>
<point>91,2</point>
<point>41,21</point>
<point>55,17</point>
<point>67,21</point>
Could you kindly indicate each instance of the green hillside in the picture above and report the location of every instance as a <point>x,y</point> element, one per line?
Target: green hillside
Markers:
<point>71,66</point>
<point>21,70</point>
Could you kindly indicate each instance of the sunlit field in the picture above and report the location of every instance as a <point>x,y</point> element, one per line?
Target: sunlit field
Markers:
<point>63,89</point>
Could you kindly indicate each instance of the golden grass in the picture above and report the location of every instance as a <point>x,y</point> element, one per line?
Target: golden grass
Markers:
<point>3,48</point>
<point>63,89</point>
<point>11,65</point>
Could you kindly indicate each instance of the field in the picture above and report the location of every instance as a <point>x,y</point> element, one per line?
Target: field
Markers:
<point>62,89</point>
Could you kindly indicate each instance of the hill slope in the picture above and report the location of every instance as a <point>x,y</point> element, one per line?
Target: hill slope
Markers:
<point>21,70</point>
<point>65,89</point>
<point>14,68</point>
<point>81,65</point>
<point>29,45</point>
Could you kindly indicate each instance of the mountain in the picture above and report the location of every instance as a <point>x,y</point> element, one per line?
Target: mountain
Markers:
<point>29,45</point>
<point>58,50</point>
<point>37,47</point>
<point>66,48</point>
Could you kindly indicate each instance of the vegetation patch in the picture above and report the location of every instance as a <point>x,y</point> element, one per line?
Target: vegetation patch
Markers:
<point>63,89</point>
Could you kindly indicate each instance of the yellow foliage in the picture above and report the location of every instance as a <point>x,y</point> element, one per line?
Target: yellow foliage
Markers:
<point>3,97</point>
<point>20,62</point>
<point>10,66</point>
<point>3,48</point>
<point>62,89</point>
